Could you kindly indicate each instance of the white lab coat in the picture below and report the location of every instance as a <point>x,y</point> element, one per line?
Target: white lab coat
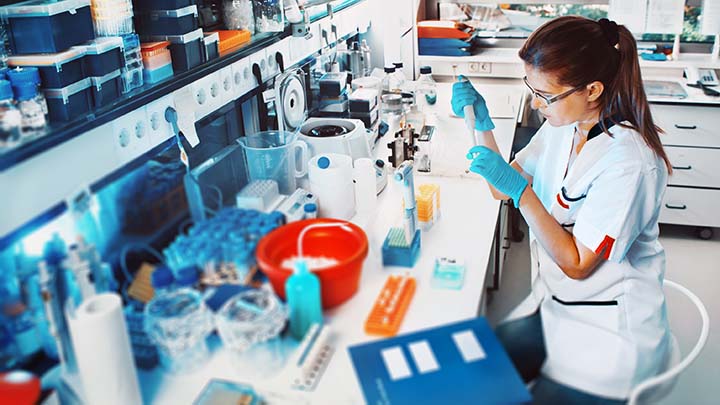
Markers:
<point>606,333</point>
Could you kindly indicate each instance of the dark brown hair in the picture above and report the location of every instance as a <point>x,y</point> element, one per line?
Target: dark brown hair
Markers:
<point>578,51</point>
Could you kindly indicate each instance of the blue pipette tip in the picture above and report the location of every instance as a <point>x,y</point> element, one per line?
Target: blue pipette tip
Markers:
<point>323,162</point>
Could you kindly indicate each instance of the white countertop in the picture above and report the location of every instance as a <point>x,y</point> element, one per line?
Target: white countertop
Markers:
<point>465,231</point>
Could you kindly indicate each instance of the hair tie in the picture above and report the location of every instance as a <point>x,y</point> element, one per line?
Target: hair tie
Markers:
<point>610,29</point>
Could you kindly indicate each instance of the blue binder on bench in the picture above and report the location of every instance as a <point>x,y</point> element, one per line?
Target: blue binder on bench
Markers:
<point>453,364</point>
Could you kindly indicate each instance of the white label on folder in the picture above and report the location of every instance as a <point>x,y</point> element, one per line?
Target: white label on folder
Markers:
<point>423,357</point>
<point>469,346</point>
<point>396,363</point>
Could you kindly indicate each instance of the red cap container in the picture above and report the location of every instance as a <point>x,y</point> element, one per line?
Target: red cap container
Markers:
<point>338,283</point>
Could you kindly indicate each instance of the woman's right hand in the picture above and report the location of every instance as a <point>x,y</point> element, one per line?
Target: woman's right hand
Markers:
<point>465,94</point>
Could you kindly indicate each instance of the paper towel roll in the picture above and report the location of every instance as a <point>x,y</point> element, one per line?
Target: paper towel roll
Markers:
<point>365,187</point>
<point>103,352</point>
<point>333,185</point>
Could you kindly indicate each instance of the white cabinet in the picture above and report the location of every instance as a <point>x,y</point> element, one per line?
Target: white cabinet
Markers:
<point>692,142</point>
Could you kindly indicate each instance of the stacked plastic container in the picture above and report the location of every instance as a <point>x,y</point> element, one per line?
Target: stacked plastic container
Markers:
<point>104,60</point>
<point>133,71</point>
<point>428,205</point>
<point>112,18</point>
<point>174,21</point>
<point>41,33</point>
<point>157,60</point>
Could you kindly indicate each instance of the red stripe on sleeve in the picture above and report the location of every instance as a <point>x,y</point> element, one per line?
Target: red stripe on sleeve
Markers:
<point>562,204</point>
<point>606,245</point>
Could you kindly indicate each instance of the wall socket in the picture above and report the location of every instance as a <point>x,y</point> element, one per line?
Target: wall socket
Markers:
<point>480,67</point>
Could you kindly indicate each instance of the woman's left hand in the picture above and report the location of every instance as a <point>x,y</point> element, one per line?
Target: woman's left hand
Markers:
<point>497,172</point>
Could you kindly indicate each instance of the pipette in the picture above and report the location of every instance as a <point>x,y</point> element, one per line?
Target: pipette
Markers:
<point>469,113</point>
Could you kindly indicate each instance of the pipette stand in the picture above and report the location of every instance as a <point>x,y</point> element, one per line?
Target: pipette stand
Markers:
<point>397,252</point>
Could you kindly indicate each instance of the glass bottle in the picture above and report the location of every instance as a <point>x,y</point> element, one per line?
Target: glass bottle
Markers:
<point>366,57</point>
<point>10,118</point>
<point>31,102</point>
<point>427,87</point>
<point>238,15</point>
<point>399,75</point>
<point>389,81</point>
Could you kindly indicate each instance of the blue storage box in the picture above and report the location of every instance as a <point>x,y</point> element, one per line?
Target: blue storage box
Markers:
<point>57,70</point>
<point>103,56</point>
<point>159,74</point>
<point>41,26</point>
<point>142,5</point>
<point>212,50</point>
<point>186,50</point>
<point>69,102</point>
<point>132,78</point>
<point>131,41</point>
<point>167,22</point>
<point>107,88</point>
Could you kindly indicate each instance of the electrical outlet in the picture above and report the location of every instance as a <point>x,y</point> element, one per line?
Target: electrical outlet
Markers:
<point>227,85</point>
<point>242,77</point>
<point>259,59</point>
<point>158,128</point>
<point>206,92</point>
<point>131,136</point>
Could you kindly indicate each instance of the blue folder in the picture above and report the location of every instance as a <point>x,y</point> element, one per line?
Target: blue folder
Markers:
<point>459,375</point>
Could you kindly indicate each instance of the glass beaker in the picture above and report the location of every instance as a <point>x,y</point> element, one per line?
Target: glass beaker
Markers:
<point>270,155</point>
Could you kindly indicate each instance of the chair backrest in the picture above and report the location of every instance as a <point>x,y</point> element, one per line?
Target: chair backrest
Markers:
<point>660,385</point>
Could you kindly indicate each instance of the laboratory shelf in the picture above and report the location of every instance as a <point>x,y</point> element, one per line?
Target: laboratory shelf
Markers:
<point>58,133</point>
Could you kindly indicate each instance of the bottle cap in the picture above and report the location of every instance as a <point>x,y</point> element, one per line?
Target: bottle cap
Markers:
<point>162,277</point>
<point>398,65</point>
<point>323,162</point>
<point>424,70</point>
<point>24,75</point>
<point>6,92</point>
<point>25,91</point>
<point>389,69</point>
<point>310,207</point>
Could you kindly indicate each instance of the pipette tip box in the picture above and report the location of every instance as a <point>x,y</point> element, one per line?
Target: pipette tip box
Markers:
<point>397,252</point>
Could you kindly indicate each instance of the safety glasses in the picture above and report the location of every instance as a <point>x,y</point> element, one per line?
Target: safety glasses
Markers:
<point>547,100</point>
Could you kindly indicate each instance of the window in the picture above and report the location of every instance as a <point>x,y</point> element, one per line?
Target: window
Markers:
<point>517,20</point>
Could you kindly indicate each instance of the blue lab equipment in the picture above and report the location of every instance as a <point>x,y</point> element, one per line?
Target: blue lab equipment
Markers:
<point>58,291</point>
<point>302,289</point>
<point>448,273</point>
<point>464,94</point>
<point>162,280</point>
<point>497,172</point>
<point>144,351</point>
<point>402,247</point>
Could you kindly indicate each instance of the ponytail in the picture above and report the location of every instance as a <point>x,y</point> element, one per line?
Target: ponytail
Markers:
<point>626,96</point>
<point>579,51</point>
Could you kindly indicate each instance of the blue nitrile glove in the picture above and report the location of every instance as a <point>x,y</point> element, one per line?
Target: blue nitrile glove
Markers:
<point>465,94</point>
<point>497,172</point>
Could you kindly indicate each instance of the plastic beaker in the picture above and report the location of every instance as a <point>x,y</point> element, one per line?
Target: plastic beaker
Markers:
<point>270,155</point>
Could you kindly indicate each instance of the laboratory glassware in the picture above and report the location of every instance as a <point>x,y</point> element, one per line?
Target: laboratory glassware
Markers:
<point>10,118</point>
<point>178,322</point>
<point>239,15</point>
<point>426,86</point>
<point>270,155</point>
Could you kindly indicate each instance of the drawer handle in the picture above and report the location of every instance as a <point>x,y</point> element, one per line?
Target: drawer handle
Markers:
<point>676,207</point>
<point>688,167</point>
<point>678,126</point>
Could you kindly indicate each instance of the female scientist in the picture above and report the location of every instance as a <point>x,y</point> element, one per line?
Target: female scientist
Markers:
<point>597,173</point>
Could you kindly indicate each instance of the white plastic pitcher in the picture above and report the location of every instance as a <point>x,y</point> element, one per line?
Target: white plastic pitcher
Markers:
<point>270,155</point>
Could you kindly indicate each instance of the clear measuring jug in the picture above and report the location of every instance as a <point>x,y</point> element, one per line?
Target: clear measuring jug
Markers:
<point>271,155</point>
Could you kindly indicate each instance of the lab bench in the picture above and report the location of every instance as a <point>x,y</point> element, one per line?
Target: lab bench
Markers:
<point>466,230</point>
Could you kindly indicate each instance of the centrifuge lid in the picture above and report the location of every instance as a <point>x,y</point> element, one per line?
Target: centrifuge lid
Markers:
<point>327,131</point>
